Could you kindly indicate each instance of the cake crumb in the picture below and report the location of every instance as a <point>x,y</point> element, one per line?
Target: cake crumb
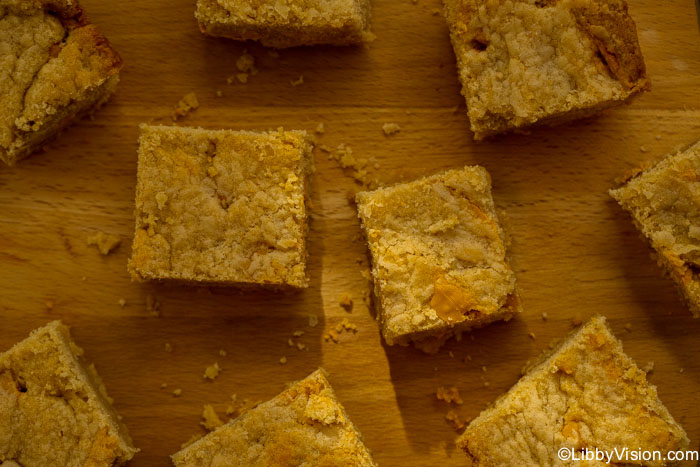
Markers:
<point>320,128</point>
<point>210,420</point>
<point>649,367</point>
<point>246,63</point>
<point>168,347</point>
<point>436,12</point>
<point>681,370</point>
<point>313,321</point>
<point>484,369</point>
<point>105,243</point>
<point>193,438</point>
<point>449,395</point>
<point>163,385</point>
<point>628,327</point>
<point>222,353</point>
<point>532,335</point>
<point>298,333</point>
<point>290,342</point>
<point>219,93</point>
<point>658,137</point>
<point>152,306</point>
<point>283,360</point>
<point>346,302</point>
<point>177,392</point>
<point>331,335</point>
<point>357,166</point>
<point>212,371</point>
<point>390,129</point>
<point>301,346</point>
<point>544,316</point>
<point>242,77</point>
<point>454,420</point>
<point>642,149</point>
<point>298,81</point>
<point>49,304</point>
<point>122,302</point>
<point>451,354</point>
<point>486,384</point>
<point>186,105</point>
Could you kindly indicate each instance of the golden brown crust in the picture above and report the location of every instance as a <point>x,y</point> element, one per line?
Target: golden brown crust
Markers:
<point>69,70</point>
<point>586,393</point>
<point>304,425</point>
<point>543,62</point>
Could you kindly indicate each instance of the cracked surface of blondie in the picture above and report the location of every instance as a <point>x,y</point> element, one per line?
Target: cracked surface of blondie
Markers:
<point>585,394</point>
<point>664,202</point>
<point>221,207</point>
<point>526,61</point>
<point>304,426</point>
<point>54,67</point>
<point>287,23</point>
<point>439,259</point>
<point>54,411</point>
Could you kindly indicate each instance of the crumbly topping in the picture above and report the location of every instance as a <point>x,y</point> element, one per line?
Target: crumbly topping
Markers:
<point>210,420</point>
<point>586,393</point>
<point>438,256</point>
<point>665,204</point>
<point>221,206</point>
<point>304,425</point>
<point>286,23</point>
<point>54,410</point>
<point>105,243</point>
<point>522,61</point>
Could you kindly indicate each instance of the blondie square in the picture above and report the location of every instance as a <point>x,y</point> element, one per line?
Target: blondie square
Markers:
<point>303,426</point>
<point>287,23</point>
<point>54,67</point>
<point>54,409</point>
<point>585,394</point>
<point>523,62</point>
<point>439,259</point>
<point>221,207</point>
<point>664,202</point>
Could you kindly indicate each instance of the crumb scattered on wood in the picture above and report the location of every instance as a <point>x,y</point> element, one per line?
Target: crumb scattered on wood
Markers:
<point>320,128</point>
<point>649,367</point>
<point>283,360</point>
<point>298,81</point>
<point>168,347</point>
<point>219,93</point>
<point>313,321</point>
<point>628,327</point>
<point>105,243</point>
<point>177,392</point>
<point>390,129</point>
<point>449,395</point>
<point>246,63</point>
<point>298,333</point>
<point>454,420</point>
<point>212,371</point>
<point>544,316</point>
<point>532,335</point>
<point>356,166</point>
<point>186,105</point>
<point>163,385</point>
<point>50,304</point>
<point>346,302</point>
<point>210,420</point>
<point>576,320</point>
<point>152,306</point>
<point>222,353</point>
<point>122,302</point>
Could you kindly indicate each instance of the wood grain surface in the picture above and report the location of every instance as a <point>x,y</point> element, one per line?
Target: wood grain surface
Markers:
<point>575,252</point>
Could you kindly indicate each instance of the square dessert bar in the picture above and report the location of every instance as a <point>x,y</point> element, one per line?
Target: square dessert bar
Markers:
<point>664,202</point>
<point>221,207</point>
<point>585,393</point>
<point>287,23</point>
<point>54,409</point>
<point>304,425</point>
<point>54,68</point>
<point>523,62</point>
<point>439,258</point>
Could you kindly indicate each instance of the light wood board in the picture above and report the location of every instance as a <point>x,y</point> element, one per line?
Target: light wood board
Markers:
<point>574,250</point>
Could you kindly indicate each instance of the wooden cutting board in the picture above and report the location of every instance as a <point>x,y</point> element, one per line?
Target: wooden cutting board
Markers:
<point>575,252</point>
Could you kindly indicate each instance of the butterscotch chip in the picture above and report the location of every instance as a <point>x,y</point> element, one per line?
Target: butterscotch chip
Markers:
<point>304,425</point>
<point>54,409</point>
<point>221,207</point>
<point>586,393</point>
<point>54,68</point>
<point>525,62</point>
<point>439,259</point>
<point>292,23</point>
<point>664,201</point>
